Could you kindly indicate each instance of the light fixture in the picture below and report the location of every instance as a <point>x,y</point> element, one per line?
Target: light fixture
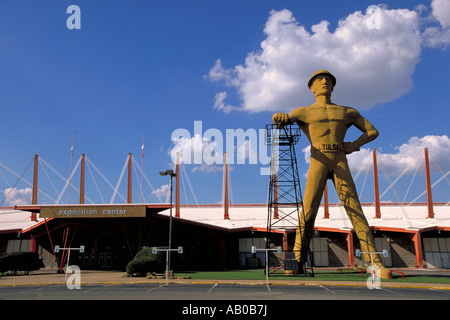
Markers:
<point>168,172</point>
<point>172,174</point>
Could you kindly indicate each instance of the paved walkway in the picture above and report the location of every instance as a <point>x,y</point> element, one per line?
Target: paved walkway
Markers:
<point>47,277</point>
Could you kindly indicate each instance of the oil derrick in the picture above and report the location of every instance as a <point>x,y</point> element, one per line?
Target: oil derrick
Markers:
<point>285,197</point>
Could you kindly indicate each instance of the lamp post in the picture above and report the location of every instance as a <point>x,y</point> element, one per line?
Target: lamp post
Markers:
<point>172,174</point>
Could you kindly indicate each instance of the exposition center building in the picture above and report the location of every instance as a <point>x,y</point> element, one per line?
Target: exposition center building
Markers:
<point>415,235</point>
<point>113,234</point>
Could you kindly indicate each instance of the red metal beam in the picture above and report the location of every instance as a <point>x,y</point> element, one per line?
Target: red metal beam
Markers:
<point>35,186</point>
<point>129,177</point>
<point>351,258</point>
<point>225,168</point>
<point>428,181</point>
<point>325,203</point>
<point>51,242</point>
<point>33,244</point>
<point>82,179</point>
<point>177,188</point>
<point>417,239</point>
<point>66,252</point>
<point>376,188</point>
<point>65,235</point>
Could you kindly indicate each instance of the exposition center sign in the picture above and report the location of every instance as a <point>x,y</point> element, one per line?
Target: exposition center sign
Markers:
<point>86,211</point>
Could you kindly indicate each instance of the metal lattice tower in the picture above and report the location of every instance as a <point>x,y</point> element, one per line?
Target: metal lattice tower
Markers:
<point>285,197</point>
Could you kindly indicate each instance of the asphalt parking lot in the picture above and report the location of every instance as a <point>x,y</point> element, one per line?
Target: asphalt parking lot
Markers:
<point>216,291</point>
<point>109,293</point>
<point>219,300</point>
<point>104,285</point>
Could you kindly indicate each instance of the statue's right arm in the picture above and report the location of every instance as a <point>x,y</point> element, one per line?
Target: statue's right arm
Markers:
<point>281,118</point>
<point>295,116</point>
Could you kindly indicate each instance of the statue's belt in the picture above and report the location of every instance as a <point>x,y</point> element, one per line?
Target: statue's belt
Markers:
<point>328,147</point>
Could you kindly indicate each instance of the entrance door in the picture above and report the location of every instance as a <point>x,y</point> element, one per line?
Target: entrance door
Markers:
<point>101,259</point>
<point>319,248</point>
<point>108,260</point>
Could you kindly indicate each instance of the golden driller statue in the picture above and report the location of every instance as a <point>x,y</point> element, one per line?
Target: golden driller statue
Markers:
<point>325,124</point>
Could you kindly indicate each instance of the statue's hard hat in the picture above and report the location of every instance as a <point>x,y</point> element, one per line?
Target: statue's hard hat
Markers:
<point>321,72</point>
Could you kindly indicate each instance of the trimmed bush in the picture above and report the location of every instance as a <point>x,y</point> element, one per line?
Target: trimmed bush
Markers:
<point>146,262</point>
<point>21,261</point>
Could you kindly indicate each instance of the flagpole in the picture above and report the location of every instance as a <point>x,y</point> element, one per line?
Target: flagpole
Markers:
<point>142,172</point>
<point>71,161</point>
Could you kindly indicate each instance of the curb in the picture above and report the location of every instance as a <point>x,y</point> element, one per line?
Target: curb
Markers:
<point>253,283</point>
<point>48,277</point>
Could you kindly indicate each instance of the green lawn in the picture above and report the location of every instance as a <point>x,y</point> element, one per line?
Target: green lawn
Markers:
<point>258,274</point>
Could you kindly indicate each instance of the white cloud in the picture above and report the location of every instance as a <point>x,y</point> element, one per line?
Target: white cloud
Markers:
<point>219,103</point>
<point>411,154</point>
<point>187,147</point>
<point>441,10</point>
<point>218,73</point>
<point>14,196</point>
<point>372,65</point>
<point>409,157</point>
<point>206,149</point>
<point>162,192</point>
<point>198,150</point>
<point>436,37</point>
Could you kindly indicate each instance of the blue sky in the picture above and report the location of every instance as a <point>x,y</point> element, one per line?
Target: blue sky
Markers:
<point>158,66</point>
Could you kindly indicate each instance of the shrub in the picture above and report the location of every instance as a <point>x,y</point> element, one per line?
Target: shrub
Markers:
<point>145,262</point>
<point>21,261</point>
<point>4,264</point>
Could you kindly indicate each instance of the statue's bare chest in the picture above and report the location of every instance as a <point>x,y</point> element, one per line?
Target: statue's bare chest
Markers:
<point>321,115</point>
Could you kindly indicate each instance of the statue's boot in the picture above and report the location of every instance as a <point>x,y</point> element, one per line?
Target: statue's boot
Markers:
<point>384,272</point>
